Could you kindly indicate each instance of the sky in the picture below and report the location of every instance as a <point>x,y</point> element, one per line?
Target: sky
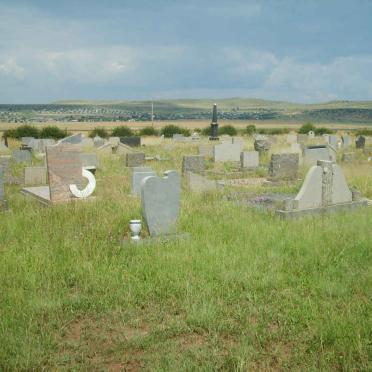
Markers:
<point>289,50</point>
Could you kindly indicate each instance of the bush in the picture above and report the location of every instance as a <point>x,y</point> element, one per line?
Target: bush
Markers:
<point>306,128</point>
<point>23,131</point>
<point>250,129</point>
<point>149,131</point>
<point>322,130</point>
<point>206,131</point>
<point>364,132</point>
<point>273,131</point>
<point>169,130</point>
<point>227,129</point>
<point>122,132</point>
<point>53,132</point>
<point>101,132</point>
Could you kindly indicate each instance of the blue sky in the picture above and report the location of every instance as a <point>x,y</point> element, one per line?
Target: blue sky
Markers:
<point>301,51</point>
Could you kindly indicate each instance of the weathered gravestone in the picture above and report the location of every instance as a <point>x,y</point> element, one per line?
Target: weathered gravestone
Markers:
<point>114,141</point>
<point>138,174</point>
<point>193,163</point>
<point>160,198</point>
<point>291,138</point>
<point>35,176</point>
<point>249,159</point>
<point>262,143</point>
<point>26,140</point>
<point>197,183</point>
<point>283,166</point>
<point>360,142</point>
<point>21,156</point>
<point>226,152</point>
<point>348,157</point>
<point>324,189</point>
<point>133,141</point>
<point>105,149</point>
<point>311,134</point>
<point>302,138</point>
<point>65,176</point>
<point>135,159</point>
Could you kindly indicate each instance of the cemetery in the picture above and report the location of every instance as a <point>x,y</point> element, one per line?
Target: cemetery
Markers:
<point>186,238</point>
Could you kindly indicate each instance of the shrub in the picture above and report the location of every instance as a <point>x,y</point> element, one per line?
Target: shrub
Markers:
<point>273,131</point>
<point>306,128</point>
<point>101,132</point>
<point>23,131</point>
<point>206,131</point>
<point>149,131</point>
<point>227,129</point>
<point>364,132</point>
<point>53,132</point>
<point>322,130</point>
<point>122,132</point>
<point>169,130</point>
<point>250,129</point>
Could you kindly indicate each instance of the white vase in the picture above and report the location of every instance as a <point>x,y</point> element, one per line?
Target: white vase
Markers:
<point>135,227</point>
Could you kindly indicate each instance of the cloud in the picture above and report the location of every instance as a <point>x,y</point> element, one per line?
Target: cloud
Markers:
<point>9,68</point>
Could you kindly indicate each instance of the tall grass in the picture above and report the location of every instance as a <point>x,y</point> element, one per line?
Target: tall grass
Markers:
<point>247,291</point>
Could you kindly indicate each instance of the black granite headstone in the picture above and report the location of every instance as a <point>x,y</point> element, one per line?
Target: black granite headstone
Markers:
<point>133,141</point>
<point>360,142</point>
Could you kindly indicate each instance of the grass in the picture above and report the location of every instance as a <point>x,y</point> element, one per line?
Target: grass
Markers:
<point>248,291</point>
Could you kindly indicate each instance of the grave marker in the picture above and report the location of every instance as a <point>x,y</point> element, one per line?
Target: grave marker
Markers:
<point>193,163</point>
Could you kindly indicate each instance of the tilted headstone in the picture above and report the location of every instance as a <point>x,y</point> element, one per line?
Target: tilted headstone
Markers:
<point>249,159</point>
<point>360,142</point>
<point>21,156</point>
<point>75,139</point>
<point>160,198</point>
<point>64,169</point>
<point>193,163</point>
<point>262,143</point>
<point>135,159</point>
<point>133,141</point>
<point>198,183</point>
<point>284,166</point>
<point>35,176</point>
<point>138,174</point>
<point>226,152</point>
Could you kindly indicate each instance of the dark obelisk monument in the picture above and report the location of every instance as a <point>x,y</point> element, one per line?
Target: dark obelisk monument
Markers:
<point>214,124</point>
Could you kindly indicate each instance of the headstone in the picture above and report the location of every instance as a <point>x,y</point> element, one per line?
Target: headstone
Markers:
<point>195,136</point>
<point>225,138</point>
<point>302,138</point>
<point>214,125</point>
<point>332,140</point>
<point>360,142</point>
<point>198,183</point>
<point>238,141</point>
<point>206,150</point>
<point>178,137</point>
<point>346,141</point>
<point>21,156</point>
<point>262,143</point>
<point>135,159</point>
<point>160,198</point>
<point>98,141</point>
<point>35,176</point>
<point>123,149</point>
<point>226,152</point>
<point>284,166</point>
<point>87,142</point>
<point>193,163</point>
<point>138,174</point>
<point>73,140</point>
<point>64,169</point>
<point>26,140</point>
<point>311,134</point>
<point>249,159</point>
<point>114,141</point>
<point>314,153</point>
<point>105,149</point>
<point>133,141</point>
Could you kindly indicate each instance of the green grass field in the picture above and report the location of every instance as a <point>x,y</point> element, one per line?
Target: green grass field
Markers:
<point>247,291</point>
